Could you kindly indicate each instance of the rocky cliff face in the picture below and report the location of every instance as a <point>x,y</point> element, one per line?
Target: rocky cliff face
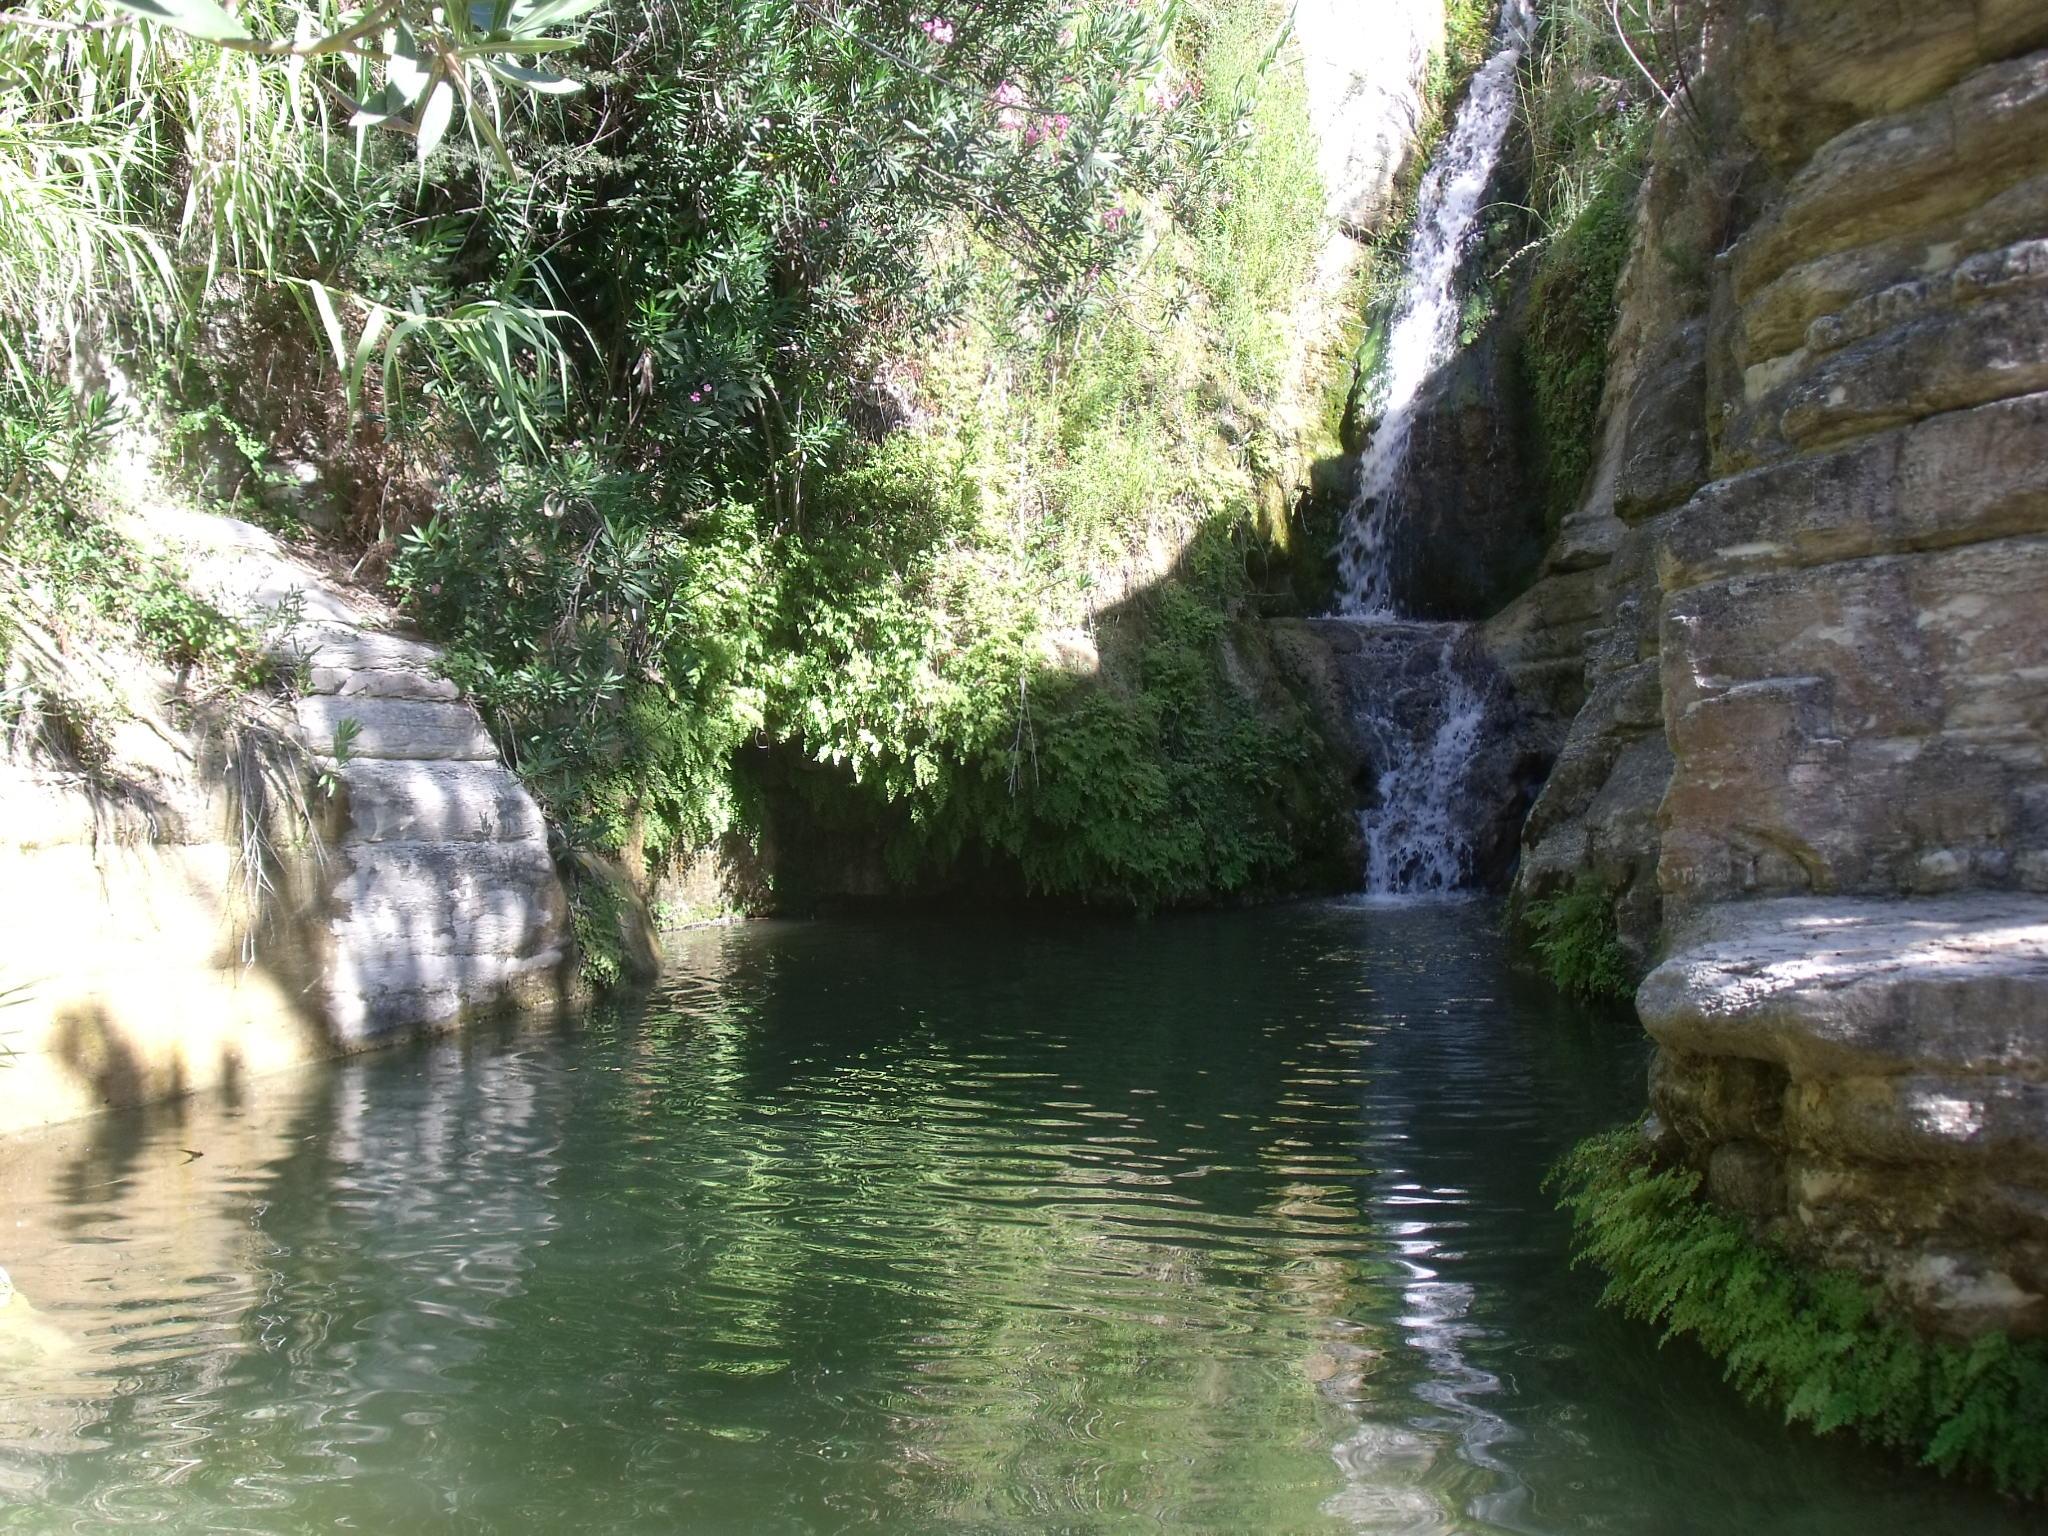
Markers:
<point>1796,627</point>
<point>252,898</point>
<point>1365,96</point>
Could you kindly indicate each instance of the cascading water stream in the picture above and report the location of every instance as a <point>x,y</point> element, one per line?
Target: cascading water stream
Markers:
<point>1416,837</point>
<point>1424,330</point>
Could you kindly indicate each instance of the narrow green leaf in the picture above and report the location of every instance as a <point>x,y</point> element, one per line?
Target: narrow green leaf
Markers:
<point>548,13</point>
<point>408,78</point>
<point>378,108</point>
<point>522,45</point>
<point>539,81</point>
<point>435,117</point>
<point>330,322</point>
<point>200,18</point>
<point>359,365</point>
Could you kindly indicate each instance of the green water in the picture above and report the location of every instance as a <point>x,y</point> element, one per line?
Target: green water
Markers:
<point>1219,1224</point>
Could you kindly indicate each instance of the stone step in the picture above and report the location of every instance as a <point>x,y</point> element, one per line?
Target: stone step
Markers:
<point>422,899</point>
<point>380,683</point>
<point>394,800</point>
<point>397,729</point>
<point>351,662</point>
<point>378,994</point>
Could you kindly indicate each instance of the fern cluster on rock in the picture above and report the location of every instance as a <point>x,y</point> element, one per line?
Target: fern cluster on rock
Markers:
<point>1573,934</point>
<point>1813,1344</point>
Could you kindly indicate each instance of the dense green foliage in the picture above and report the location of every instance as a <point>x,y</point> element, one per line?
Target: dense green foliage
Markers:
<point>824,379</point>
<point>1573,934</point>
<point>1588,110</point>
<point>725,561</point>
<point>1571,315</point>
<point>74,588</point>
<point>1812,1343</point>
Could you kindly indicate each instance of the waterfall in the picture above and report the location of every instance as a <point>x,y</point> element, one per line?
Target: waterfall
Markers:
<point>1423,332</point>
<point>1417,831</point>
<point>1417,837</point>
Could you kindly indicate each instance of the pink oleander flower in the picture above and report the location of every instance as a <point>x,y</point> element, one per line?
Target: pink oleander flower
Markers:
<point>1010,98</point>
<point>1165,95</point>
<point>937,28</point>
<point>1113,218</point>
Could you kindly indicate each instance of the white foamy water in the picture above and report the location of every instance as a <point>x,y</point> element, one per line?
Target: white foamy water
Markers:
<point>1417,833</point>
<point>1418,842</point>
<point>1424,330</point>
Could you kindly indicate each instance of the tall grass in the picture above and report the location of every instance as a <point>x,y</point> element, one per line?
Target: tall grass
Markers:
<point>1602,72</point>
<point>151,183</point>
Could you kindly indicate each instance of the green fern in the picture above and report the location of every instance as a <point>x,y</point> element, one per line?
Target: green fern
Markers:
<point>1811,1343</point>
<point>1573,934</point>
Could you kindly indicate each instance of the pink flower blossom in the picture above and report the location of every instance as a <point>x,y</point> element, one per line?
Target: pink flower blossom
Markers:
<point>1113,218</point>
<point>1165,95</point>
<point>1010,98</point>
<point>937,28</point>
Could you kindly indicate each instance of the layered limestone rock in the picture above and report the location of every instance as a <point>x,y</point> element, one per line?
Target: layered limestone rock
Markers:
<point>1864,1076</point>
<point>1810,581</point>
<point>272,883</point>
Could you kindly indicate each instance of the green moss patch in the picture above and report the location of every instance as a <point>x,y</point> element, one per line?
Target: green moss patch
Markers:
<point>1572,309</point>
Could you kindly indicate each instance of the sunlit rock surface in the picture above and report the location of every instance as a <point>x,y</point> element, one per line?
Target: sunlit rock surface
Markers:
<point>224,911</point>
<point>1366,74</point>
<point>1807,591</point>
<point>1865,1075</point>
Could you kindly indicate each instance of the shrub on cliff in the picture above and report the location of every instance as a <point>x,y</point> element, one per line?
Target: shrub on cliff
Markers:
<point>627,298</point>
<point>722,556</point>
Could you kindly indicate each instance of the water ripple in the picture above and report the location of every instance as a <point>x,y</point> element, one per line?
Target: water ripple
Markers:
<point>1222,1225</point>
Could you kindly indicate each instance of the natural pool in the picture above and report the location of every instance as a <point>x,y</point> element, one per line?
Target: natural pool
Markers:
<point>1226,1223</point>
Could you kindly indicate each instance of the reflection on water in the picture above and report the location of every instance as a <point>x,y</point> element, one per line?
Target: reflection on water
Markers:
<point>1225,1224</point>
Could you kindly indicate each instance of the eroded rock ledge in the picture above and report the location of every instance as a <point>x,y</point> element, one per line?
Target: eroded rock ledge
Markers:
<point>1871,1079</point>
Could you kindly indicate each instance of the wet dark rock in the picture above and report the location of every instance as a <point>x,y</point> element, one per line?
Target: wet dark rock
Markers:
<point>1382,688</point>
